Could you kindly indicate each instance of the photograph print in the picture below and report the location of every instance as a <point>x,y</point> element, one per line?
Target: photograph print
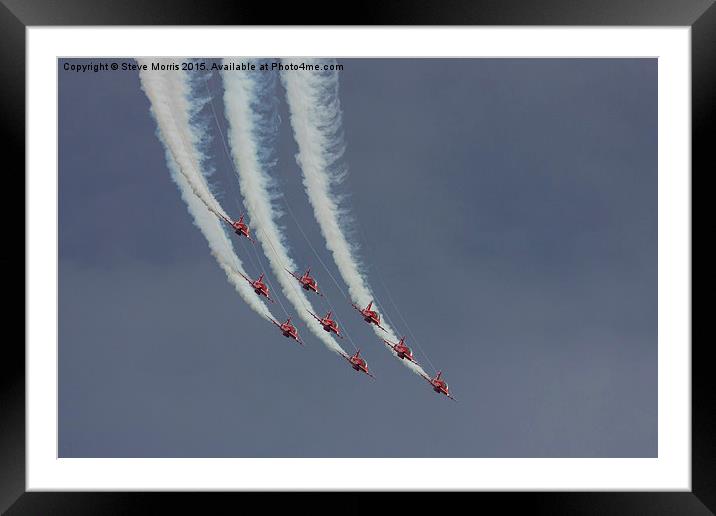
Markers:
<point>373,258</point>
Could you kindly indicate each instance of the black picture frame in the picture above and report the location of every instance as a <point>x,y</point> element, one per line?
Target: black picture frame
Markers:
<point>17,15</point>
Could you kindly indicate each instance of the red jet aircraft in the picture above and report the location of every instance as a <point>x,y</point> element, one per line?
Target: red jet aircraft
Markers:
<point>370,316</point>
<point>401,349</point>
<point>358,363</point>
<point>439,385</point>
<point>288,330</point>
<point>328,324</point>
<point>306,281</point>
<point>240,227</point>
<point>259,286</point>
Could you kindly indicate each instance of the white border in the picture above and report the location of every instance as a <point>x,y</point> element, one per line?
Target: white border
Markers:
<point>671,470</point>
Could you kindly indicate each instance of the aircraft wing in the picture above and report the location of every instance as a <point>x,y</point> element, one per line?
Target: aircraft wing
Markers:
<point>315,316</point>
<point>246,278</point>
<point>379,326</point>
<point>275,324</point>
<point>409,358</point>
<point>294,275</point>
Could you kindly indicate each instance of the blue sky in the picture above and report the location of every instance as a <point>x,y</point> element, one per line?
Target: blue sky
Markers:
<point>510,207</point>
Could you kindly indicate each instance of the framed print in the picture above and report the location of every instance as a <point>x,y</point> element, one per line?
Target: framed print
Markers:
<point>445,249</point>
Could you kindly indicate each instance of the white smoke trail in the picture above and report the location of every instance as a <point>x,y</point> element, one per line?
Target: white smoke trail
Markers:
<point>317,124</point>
<point>248,99</point>
<point>168,95</point>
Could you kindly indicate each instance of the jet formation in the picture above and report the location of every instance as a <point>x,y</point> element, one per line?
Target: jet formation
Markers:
<point>328,321</point>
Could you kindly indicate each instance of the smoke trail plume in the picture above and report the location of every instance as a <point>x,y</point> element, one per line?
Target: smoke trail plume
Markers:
<point>317,124</point>
<point>250,102</point>
<point>168,95</point>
